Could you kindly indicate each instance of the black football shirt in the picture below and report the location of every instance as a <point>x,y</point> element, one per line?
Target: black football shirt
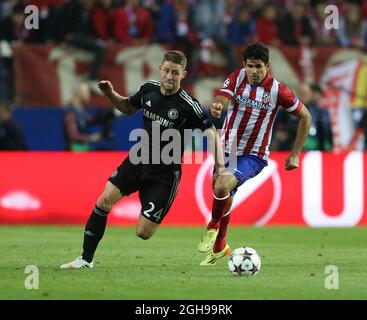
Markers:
<point>169,119</point>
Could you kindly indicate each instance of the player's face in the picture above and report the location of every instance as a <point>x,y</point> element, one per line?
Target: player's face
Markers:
<point>256,70</point>
<point>171,75</point>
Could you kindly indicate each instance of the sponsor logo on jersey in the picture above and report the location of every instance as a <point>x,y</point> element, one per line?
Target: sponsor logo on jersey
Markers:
<point>154,117</point>
<point>247,102</point>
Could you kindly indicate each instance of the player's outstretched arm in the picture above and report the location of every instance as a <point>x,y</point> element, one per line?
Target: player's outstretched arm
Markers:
<point>304,124</point>
<point>119,102</point>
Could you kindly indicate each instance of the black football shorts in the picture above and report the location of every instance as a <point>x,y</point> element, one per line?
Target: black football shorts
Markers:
<point>157,189</point>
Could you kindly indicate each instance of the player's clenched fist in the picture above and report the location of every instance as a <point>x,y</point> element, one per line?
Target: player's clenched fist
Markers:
<point>216,109</point>
<point>292,162</point>
<point>106,87</point>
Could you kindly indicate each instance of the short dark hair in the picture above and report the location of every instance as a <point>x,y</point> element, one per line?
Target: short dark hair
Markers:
<point>257,51</point>
<point>175,56</point>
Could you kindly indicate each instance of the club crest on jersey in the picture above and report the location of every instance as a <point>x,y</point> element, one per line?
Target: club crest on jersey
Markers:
<point>172,114</point>
<point>266,98</point>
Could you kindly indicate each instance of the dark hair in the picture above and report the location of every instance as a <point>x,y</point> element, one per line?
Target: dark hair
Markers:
<point>257,51</point>
<point>175,56</point>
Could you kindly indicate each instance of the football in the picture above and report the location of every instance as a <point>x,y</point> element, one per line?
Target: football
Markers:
<point>244,261</point>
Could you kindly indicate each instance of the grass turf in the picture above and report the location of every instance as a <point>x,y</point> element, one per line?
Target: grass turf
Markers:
<point>167,266</point>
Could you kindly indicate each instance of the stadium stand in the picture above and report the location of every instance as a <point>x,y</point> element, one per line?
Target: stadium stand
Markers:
<point>100,27</point>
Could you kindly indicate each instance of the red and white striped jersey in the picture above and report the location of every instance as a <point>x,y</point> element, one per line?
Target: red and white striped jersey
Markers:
<point>251,113</point>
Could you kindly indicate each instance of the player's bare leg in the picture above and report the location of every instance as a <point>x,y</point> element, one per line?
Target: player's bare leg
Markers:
<point>95,227</point>
<point>222,203</point>
<point>110,195</point>
<point>145,228</point>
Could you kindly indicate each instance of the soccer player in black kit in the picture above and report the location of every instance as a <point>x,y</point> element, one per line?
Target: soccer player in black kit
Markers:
<point>167,106</point>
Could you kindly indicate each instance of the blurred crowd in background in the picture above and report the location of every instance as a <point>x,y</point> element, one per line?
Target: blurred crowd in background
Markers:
<point>195,26</point>
<point>203,22</point>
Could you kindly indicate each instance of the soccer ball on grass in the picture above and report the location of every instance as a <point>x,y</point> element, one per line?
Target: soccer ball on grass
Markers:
<point>244,261</point>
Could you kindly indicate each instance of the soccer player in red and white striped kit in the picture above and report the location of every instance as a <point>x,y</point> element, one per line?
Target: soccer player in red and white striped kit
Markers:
<point>252,98</point>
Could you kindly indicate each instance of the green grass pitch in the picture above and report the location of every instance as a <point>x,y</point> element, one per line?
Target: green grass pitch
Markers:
<point>167,266</point>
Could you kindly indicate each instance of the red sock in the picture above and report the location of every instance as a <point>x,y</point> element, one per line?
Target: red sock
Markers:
<point>219,207</point>
<point>220,242</point>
